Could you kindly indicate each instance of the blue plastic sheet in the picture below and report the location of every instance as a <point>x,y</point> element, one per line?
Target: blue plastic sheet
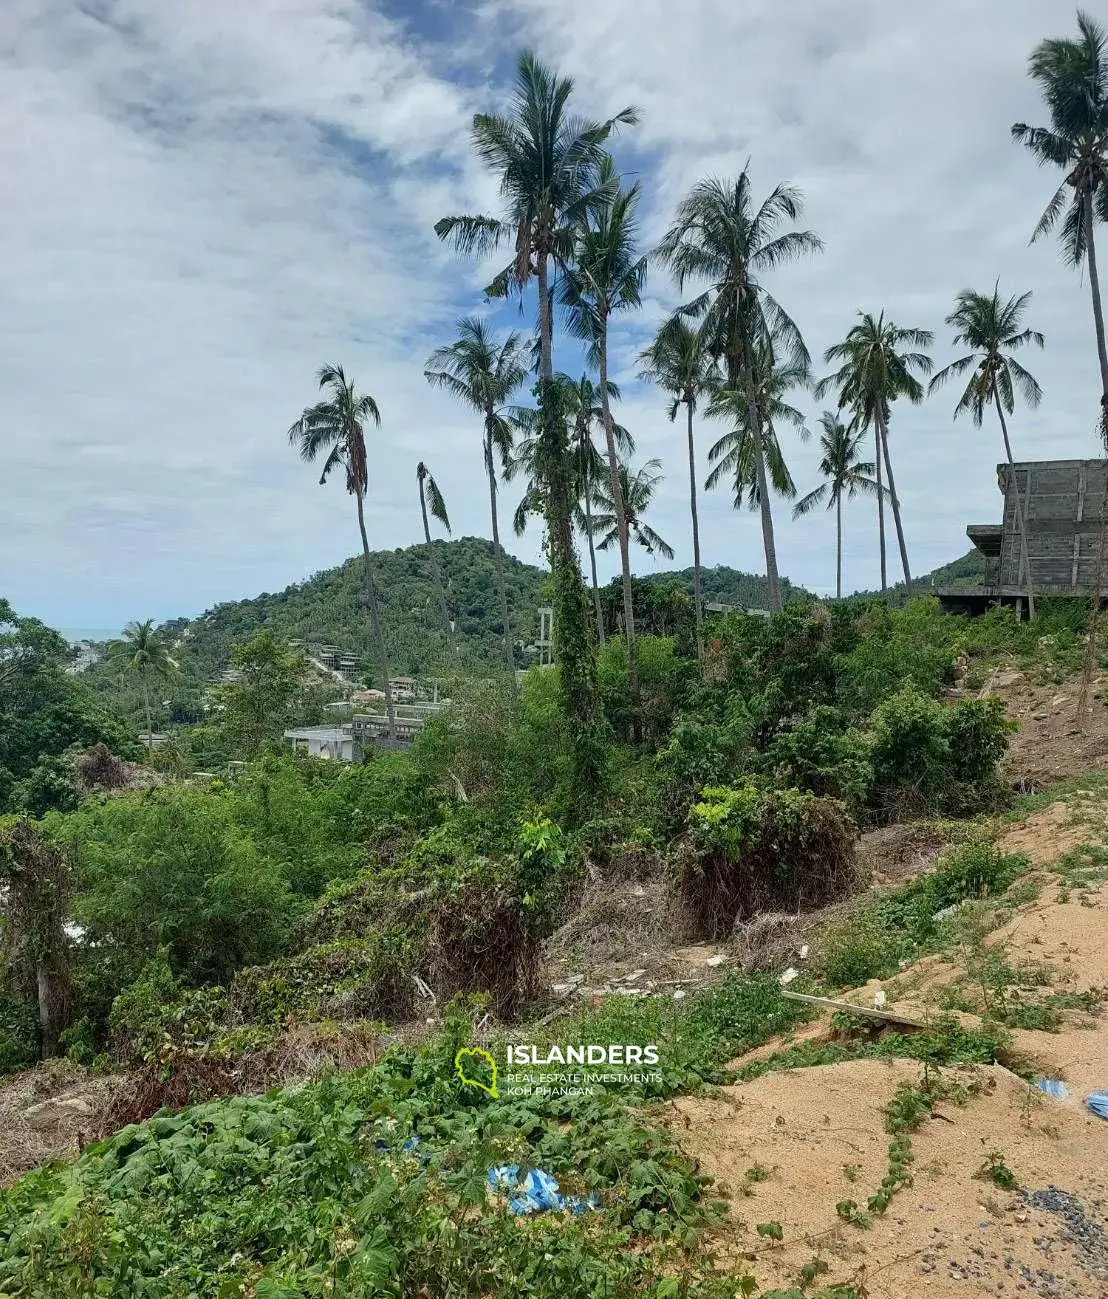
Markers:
<point>1098,1103</point>
<point>1053,1087</point>
<point>537,1192</point>
<point>406,1146</point>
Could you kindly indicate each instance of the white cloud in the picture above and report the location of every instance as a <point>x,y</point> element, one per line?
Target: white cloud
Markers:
<point>203,202</point>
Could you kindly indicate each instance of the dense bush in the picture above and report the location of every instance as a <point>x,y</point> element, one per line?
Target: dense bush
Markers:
<point>819,755</point>
<point>927,756</point>
<point>19,1033</point>
<point>753,850</point>
<point>663,679</point>
<point>906,923</point>
<point>367,1183</point>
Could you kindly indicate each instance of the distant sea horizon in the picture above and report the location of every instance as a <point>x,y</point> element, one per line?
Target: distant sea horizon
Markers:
<point>76,634</point>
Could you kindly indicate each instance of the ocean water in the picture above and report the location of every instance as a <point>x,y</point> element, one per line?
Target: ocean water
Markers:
<point>75,634</point>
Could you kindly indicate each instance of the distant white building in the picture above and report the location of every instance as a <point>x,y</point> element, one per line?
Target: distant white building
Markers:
<point>335,742</point>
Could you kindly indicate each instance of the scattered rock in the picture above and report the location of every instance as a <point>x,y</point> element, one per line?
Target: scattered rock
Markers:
<point>52,1113</point>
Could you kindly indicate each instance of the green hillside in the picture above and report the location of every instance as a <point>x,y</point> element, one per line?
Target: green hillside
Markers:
<point>968,570</point>
<point>723,585</point>
<point>329,608</point>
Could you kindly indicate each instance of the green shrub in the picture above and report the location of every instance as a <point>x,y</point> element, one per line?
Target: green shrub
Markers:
<point>820,756</point>
<point>311,1191</point>
<point>901,924</point>
<point>930,756</point>
<point>19,1033</point>
<point>663,678</point>
<point>753,850</point>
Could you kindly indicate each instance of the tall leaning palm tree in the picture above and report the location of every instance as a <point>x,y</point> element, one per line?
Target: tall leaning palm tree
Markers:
<point>431,497</point>
<point>875,369</point>
<point>143,654</point>
<point>680,362</point>
<point>845,474</point>
<point>483,375</point>
<point>721,236</point>
<point>335,429</point>
<point>584,404</point>
<point>733,455</point>
<point>1073,77</point>
<point>637,492</point>
<point>993,331</point>
<point>606,276</point>
<point>547,161</point>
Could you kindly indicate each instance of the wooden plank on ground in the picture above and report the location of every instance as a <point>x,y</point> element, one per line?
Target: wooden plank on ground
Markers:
<point>885,1014</point>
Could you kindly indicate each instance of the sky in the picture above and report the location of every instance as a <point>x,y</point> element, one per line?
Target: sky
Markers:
<point>200,203</point>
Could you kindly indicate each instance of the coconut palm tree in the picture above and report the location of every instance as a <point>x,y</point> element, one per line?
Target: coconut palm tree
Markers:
<point>720,236</point>
<point>547,162</point>
<point>992,330</point>
<point>844,475</point>
<point>429,495</point>
<point>142,653</point>
<point>637,492</point>
<point>585,404</point>
<point>580,406</point>
<point>607,276</point>
<point>483,375</point>
<point>335,428</point>
<point>733,455</point>
<point>680,362</point>
<point>1073,77</point>
<point>874,371</point>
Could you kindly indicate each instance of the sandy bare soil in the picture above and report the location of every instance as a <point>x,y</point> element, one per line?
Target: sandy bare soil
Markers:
<point>819,1134</point>
<point>1052,744</point>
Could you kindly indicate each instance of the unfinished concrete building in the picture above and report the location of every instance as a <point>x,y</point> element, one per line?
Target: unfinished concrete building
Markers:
<point>1064,504</point>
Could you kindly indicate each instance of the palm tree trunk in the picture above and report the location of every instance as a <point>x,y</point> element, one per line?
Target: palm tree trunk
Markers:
<point>149,720</point>
<point>620,507</point>
<point>375,620</point>
<point>698,602</point>
<point>884,434</point>
<point>592,564</point>
<point>1021,513</point>
<point>1098,314</point>
<point>880,510</point>
<point>576,661</point>
<point>498,554</point>
<point>838,545</point>
<point>772,578</point>
<point>436,572</point>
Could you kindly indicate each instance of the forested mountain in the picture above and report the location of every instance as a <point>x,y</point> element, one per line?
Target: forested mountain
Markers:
<point>329,608</point>
<point>968,570</point>
<point>723,585</point>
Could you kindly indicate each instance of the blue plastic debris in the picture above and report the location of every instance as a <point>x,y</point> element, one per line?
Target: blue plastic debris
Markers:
<point>1053,1087</point>
<point>1098,1103</point>
<point>537,1192</point>
<point>406,1147</point>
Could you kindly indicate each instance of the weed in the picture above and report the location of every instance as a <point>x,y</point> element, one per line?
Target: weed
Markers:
<point>995,1170</point>
<point>813,1268</point>
<point>849,1211</point>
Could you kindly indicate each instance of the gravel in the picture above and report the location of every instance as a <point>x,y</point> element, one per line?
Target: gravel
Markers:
<point>1088,1238</point>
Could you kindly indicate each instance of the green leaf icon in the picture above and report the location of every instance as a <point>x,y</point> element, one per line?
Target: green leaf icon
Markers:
<point>465,1060</point>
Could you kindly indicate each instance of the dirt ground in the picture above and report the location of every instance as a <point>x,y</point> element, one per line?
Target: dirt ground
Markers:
<point>819,1134</point>
<point>1052,744</point>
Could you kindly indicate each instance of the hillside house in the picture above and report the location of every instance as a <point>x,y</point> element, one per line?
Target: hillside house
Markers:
<point>1064,501</point>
